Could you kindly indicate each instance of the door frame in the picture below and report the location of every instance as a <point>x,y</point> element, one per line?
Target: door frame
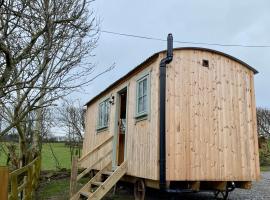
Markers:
<point>116,126</point>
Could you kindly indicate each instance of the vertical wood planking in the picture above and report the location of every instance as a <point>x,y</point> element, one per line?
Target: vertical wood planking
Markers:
<point>254,126</point>
<point>142,136</point>
<point>216,120</point>
<point>4,182</point>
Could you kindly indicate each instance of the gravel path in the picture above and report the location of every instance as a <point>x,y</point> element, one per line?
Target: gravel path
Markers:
<point>260,190</point>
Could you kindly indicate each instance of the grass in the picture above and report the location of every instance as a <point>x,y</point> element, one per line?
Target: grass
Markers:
<point>56,188</point>
<point>265,168</point>
<point>59,190</point>
<point>61,152</point>
<point>48,162</point>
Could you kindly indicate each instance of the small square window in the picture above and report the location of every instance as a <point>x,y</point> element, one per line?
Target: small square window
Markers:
<point>205,63</point>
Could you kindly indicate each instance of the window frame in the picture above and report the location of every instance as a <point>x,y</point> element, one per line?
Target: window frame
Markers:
<point>104,126</point>
<point>145,113</point>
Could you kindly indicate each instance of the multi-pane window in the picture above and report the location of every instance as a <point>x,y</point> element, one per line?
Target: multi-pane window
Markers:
<point>142,96</point>
<point>103,114</point>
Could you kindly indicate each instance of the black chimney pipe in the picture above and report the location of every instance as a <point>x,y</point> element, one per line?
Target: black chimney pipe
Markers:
<point>162,116</point>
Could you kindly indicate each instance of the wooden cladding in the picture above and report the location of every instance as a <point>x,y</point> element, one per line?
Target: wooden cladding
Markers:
<point>211,120</point>
<point>142,141</point>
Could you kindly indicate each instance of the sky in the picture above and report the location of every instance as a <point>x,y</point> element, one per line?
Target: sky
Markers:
<point>227,22</point>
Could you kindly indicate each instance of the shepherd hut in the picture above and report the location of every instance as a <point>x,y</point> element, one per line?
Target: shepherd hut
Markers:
<point>182,120</point>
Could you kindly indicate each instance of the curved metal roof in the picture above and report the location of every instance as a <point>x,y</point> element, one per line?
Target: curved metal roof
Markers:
<point>154,56</point>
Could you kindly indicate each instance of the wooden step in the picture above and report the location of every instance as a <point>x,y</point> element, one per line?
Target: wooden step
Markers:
<point>109,173</point>
<point>85,194</point>
<point>102,190</point>
<point>96,183</point>
<point>95,189</point>
<point>87,187</point>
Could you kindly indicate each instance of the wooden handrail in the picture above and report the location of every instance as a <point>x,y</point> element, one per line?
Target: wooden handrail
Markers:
<point>23,169</point>
<point>75,164</point>
<point>29,183</point>
<point>96,148</point>
<point>93,165</point>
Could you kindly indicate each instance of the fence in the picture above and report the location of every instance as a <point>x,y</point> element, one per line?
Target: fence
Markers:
<point>22,181</point>
<point>4,183</point>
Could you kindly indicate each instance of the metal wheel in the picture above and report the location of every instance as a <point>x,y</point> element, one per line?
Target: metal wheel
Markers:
<point>139,190</point>
<point>221,194</point>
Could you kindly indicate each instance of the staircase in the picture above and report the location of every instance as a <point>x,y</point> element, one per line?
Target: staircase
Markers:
<point>98,186</point>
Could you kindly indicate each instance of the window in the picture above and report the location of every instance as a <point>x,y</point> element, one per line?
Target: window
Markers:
<point>205,63</point>
<point>142,96</point>
<point>103,114</point>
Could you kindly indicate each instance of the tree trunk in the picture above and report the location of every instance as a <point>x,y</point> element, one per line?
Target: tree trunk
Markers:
<point>37,133</point>
<point>23,152</point>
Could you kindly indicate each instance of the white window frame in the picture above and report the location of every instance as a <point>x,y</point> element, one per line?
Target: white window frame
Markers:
<point>102,114</point>
<point>145,112</point>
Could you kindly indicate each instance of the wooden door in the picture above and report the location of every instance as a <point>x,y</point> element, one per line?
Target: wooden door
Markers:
<point>122,126</point>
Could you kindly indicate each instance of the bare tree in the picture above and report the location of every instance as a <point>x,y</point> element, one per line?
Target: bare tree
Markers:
<point>263,122</point>
<point>43,49</point>
<point>71,117</point>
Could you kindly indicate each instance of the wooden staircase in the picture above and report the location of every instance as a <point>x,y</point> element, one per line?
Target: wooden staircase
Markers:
<point>102,182</point>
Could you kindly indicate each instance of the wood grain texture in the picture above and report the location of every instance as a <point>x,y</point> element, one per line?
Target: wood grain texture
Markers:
<point>211,119</point>
<point>4,183</point>
<point>142,136</point>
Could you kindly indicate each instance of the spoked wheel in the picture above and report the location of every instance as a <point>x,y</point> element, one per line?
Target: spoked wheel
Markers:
<point>139,190</point>
<point>221,194</point>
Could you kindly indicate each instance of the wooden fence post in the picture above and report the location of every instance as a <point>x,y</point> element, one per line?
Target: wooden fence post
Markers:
<point>4,183</point>
<point>14,187</point>
<point>73,177</point>
<point>29,180</point>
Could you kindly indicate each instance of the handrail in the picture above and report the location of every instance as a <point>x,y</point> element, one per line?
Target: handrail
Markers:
<point>96,148</point>
<point>29,182</point>
<point>83,173</point>
<point>23,169</point>
<point>75,163</point>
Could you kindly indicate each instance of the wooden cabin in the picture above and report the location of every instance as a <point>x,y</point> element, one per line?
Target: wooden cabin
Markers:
<point>210,125</point>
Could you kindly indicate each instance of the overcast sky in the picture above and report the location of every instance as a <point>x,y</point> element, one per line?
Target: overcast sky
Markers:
<point>226,22</point>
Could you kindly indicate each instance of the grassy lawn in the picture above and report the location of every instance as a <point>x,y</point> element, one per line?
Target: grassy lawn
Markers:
<point>61,152</point>
<point>59,190</point>
<point>48,163</point>
<point>265,168</point>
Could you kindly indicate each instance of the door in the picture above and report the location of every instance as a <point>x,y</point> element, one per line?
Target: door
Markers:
<point>121,130</point>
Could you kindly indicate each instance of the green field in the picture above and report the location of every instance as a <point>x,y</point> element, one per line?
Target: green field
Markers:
<point>48,162</point>
<point>59,189</point>
<point>62,153</point>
